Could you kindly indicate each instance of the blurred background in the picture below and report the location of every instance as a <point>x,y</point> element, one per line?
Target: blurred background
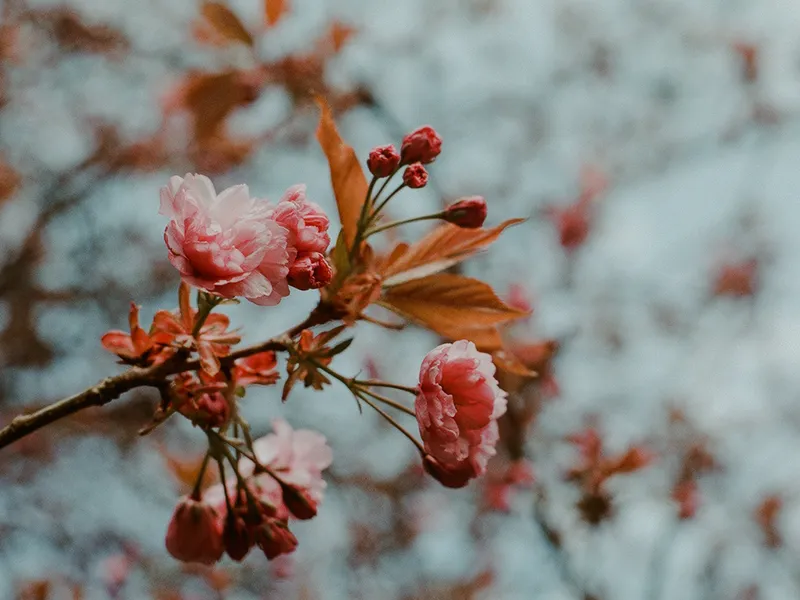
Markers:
<point>653,147</point>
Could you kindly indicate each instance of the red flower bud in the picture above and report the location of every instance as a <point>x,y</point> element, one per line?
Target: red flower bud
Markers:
<point>310,271</point>
<point>274,538</point>
<point>236,538</point>
<point>194,533</point>
<point>299,502</point>
<point>422,145</point>
<point>415,176</point>
<point>469,213</point>
<point>383,160</point>
<point>448,478</point>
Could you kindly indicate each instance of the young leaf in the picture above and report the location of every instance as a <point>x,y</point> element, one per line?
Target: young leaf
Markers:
<point>226,23</point>
<point>347,177</point>
<point>453,306</point>
<point>443,247</point>
<point>274,10</point>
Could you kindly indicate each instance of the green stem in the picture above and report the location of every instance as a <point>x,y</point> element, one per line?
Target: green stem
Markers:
<point>389,402</point>
<point>396,425</point>
<point>197,484</point>
<point>203,312</point>
<point>379,208</point>
<point>398,223</point>
<point>386,384</point>
<point>363,220</point>
<point>359,394</point>
<point>385,183</point>
<point>221,466</point>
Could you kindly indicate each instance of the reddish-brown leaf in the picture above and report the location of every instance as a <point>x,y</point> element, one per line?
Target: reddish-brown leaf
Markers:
<point>442,248</point>
<point>274,10</point>
<point>186,469</point>
<point>211,97</point>
<point>453,306</point>
<point>347,178</point>
<point>338,35</point>
<point>226,23</point>
<point>9,181</point>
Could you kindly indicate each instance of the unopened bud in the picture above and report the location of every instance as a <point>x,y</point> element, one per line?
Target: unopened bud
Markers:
<point>422,145</point>
<point>415,176</point>
<point>383,160</point>
<point>469,213</point>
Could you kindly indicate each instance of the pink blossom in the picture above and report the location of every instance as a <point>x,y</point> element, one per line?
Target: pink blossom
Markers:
<point>457,411</point>
<point>298,456</point>
<point>306,222</point>
<point>226,243</point>
<point>195,533</point>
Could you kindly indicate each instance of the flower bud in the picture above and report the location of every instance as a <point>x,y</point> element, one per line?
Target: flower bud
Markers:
<point>310,271</point>
<point>299,502</point>
<point>422,145</point>
<point>451,479</point>
<point>415,176</point>
<point>194,533</point>
<point>274,538</point>
<point>236,538</point>
<point>469,213</point>
<point>383,160</point>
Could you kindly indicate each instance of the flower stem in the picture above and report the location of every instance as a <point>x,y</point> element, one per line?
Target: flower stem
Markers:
<point>203,310</point>
<point>386,384</point>
<point>403,222</point>
<point>199,482</point>
<point>394,423</point>
<point>389,402</point>
<point>383,187</point>
<point>380,206</point>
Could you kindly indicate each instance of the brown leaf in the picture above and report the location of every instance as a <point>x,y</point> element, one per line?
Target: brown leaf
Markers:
<point>9,181</point>
<point>442,248</point>
<point>453,306</point>
<point>226,23</point>
<point>211,97</point>
<point>347,177</point>
<point>338,35</point>
<point>186,469</point>
<point>510,364</point>
<point>274,10</point>
<point>72,34</point>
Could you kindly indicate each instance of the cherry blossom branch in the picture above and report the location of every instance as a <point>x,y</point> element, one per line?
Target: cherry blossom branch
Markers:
<point>113,387</point>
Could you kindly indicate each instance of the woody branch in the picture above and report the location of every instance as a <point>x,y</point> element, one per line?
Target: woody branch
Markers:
<point>113,387</point>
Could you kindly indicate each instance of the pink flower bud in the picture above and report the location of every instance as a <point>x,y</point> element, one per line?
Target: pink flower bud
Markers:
<point>310,271</point>
<point>383,160</point>
<point>415,176</point>
<point>469,213</point>
<point>195,533</point>
<point>422,145</point>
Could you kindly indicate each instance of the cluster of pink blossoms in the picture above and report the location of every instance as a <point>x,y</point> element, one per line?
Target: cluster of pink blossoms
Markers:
<point>231,244</point>
<point>235,516</point>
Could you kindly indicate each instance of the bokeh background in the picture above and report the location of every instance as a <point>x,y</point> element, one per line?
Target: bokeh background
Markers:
<point>653,147</point>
